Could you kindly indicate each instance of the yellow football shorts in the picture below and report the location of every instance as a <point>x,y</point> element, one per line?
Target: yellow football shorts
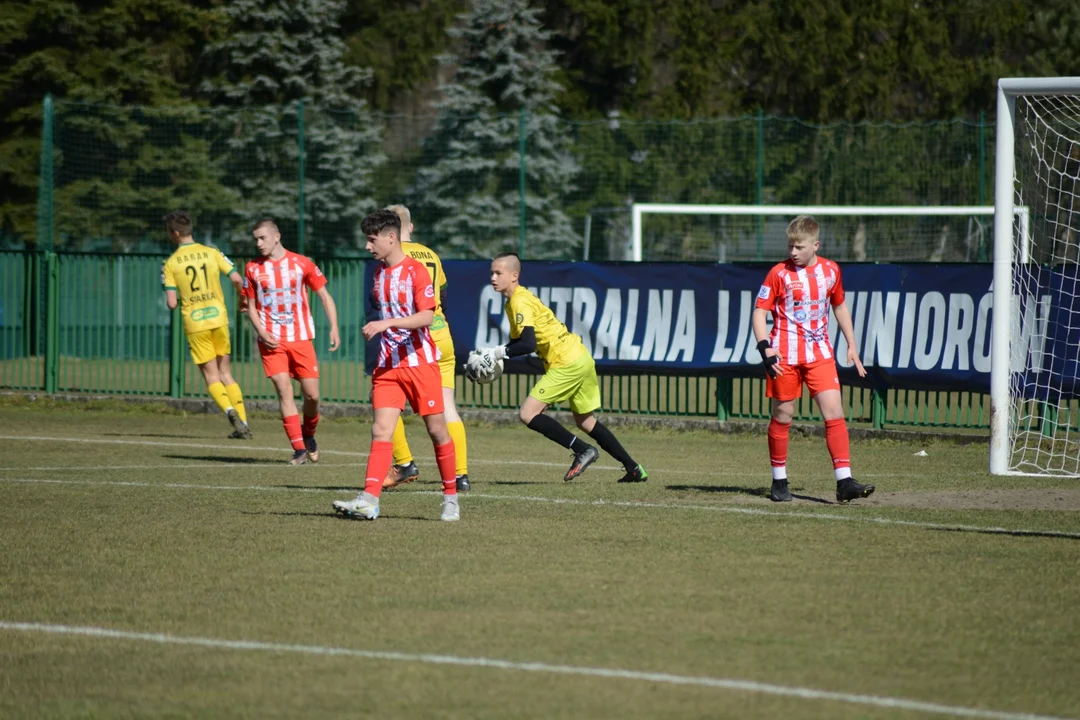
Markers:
<point>209,344</point>
<point>447,361</point>
<point>576,382</point>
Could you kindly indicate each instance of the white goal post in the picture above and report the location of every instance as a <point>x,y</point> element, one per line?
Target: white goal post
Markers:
<point>1033,395</point>
<point>639,210</point>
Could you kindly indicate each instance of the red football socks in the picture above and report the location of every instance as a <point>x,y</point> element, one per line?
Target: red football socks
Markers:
<point>836,437</point>
<point>292,431</point>
<point>444,456</point>
<point>310,423</point>
<point>778,442</point>
<point>378,464</point>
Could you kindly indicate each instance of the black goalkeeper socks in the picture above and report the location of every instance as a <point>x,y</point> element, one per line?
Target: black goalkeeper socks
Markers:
<point>611,446</point>
<point>552,430</point>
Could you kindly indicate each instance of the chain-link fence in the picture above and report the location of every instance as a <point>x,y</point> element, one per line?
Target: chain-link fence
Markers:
<point>109,173</point>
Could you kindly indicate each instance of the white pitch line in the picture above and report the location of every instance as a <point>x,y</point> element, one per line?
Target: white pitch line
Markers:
<point>630,504</point>
<point>874,519</point>
<point>748,686</point>
<point>208,446</point>
<point>169,485</point>
<point>205,466</point>
<point>354,453</point>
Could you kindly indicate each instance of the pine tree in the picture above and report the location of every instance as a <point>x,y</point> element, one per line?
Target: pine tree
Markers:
<point>119,165</point>
<point>469,200</point>
<point>279,54</point>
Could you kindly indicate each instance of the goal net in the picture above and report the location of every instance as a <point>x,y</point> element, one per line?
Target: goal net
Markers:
<point>1035,413</point>
<point>734,233</point>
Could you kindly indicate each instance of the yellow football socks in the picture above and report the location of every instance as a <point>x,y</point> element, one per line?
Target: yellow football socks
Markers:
<point>237,399</point>
<point>402,453</point>
<point>218,395</point>
<point>457,434</point>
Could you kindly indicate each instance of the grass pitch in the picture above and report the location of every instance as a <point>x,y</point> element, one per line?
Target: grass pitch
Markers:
<point>153,568</point>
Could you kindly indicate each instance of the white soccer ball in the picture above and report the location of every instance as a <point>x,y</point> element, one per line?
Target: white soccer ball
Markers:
<point>477,370</point>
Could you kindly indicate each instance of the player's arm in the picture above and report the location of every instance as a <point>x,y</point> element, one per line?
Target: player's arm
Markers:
<point>238,283</point>
<point>523,344</point>
<point>226,267</point>
<point>769,357</point>
<point>420,319</point>
<point>253,316</point>
<point>442,297</point>
<point>759,321</point>
<point>168,284</point>
<point>424,299</point>
<point>331,314</point>
<point>843,319</point>
<point>248,290</point>
<point>256,322</point>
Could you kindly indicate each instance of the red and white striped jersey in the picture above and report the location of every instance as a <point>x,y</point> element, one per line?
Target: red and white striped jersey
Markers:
<point>279,290</point>
<point>799,300</point>
<point>398,292</point>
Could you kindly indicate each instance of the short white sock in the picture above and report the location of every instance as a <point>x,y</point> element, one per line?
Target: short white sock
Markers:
<point>369,498</point>
<point>842,473</point>
<point>779,473</point>
<point>450,498</point>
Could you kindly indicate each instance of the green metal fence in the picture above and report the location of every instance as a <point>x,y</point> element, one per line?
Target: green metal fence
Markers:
<point>74,322</point>
<point>108,174</point>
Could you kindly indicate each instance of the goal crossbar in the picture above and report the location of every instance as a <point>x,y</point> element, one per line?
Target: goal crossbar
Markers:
<point>638,210</point>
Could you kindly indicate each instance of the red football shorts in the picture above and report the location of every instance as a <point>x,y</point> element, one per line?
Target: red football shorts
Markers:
<point>420,385</point>
<point>819,376</point>
<point>295,358</point>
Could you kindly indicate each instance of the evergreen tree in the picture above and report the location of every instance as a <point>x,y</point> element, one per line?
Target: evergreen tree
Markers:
<point>116,174</point>
<point>469,200</point>
<point>279,54</point>
<point>399,42</point>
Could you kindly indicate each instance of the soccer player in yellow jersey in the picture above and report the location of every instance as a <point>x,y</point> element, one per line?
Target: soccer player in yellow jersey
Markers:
<point>569,373</point>
<point>404,469</point>
<point>190,278</point>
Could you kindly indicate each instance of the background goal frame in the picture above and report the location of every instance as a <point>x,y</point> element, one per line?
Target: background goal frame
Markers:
<point>639,210</point>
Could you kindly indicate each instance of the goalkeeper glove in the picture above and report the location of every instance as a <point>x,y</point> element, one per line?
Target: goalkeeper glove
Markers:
<point>489,357</point>
<point>767,360</point>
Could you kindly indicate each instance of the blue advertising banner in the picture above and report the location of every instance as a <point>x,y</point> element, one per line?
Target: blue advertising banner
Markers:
<point>916,326</point>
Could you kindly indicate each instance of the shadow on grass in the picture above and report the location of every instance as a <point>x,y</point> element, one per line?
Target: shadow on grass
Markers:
<point>809,498</point>
<point>758,492</point>
<point>226,460</point>
<point>512,483</point>
<point>328,488</point>
<point>1013,533</point>
<point>431,484</point>
<point>726,489</point>
<point>335,516</point>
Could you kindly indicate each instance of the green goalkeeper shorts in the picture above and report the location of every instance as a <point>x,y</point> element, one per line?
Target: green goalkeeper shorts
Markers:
<point>575,383</point>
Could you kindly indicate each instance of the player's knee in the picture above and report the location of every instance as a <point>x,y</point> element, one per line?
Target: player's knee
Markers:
<point>525,416</point>
<point>782,418</point>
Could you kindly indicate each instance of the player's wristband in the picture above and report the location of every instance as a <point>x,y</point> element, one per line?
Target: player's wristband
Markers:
<point>767,360</point>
